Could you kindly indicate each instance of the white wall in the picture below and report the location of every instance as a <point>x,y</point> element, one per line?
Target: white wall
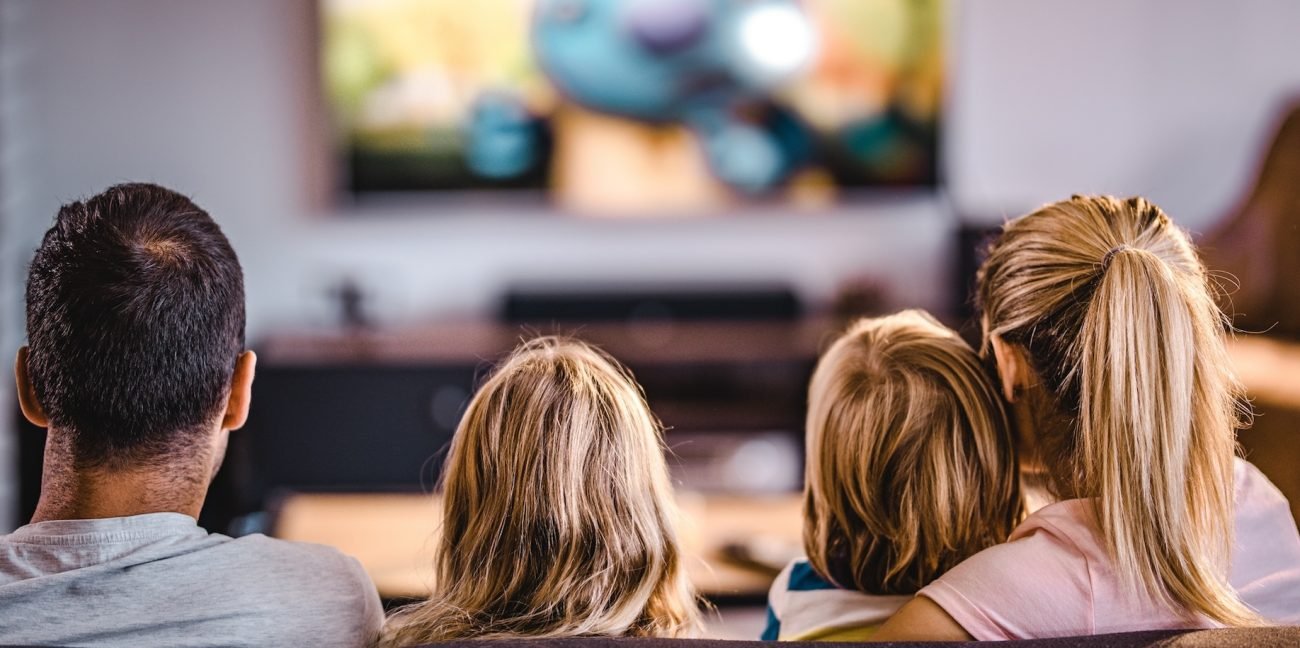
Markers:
<point>1173,99</point>
<point>12,144</point>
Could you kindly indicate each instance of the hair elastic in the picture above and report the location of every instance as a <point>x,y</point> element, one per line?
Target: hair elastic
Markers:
<point>1105,261</point>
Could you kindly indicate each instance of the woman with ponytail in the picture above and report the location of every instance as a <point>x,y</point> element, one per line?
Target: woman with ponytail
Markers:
<point>1111,353</point>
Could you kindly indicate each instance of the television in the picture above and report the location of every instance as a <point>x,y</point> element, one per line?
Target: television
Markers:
<point>634,105</point>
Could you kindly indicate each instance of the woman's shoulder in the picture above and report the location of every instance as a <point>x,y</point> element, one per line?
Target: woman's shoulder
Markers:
<point>1060,536</point>
<point>1263,521</point>
<point>1053,576</point>
<point>1262,511</point>
<point>1253,488</point>
<point>1068,524</point>
<point>1038,583</point>
<point>1058,539</point>
<point>1266,556</point>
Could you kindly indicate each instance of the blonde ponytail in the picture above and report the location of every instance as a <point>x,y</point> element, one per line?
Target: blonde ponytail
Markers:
<point>1116,313</point>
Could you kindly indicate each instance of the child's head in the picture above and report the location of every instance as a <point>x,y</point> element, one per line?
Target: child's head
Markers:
<point>911,465</point>
<point>558,514</point>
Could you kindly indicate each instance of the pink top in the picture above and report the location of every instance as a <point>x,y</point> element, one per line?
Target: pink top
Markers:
<point>1053,577</point>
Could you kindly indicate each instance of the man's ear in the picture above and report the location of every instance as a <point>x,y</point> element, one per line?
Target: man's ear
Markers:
<point>241,392</point>
<point>1013,368</point>
<point>27,402</point>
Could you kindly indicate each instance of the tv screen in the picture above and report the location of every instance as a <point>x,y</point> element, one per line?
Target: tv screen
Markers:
<point>634,104</point>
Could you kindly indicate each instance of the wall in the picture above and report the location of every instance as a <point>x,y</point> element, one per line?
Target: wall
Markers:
<point>1168,98</point>
<point>11,202</point>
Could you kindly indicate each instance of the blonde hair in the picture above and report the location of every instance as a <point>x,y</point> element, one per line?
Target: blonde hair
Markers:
<point>911,466</point>
<point>1118,319</point>
<point>558,514</point>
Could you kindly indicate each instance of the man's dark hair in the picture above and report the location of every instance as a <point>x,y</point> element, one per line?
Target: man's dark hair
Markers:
<point>135,318</point>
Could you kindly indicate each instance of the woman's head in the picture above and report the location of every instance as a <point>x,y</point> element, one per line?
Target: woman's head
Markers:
<point>558,515</point>
<point>911,467</point>
<point>1104,325</point>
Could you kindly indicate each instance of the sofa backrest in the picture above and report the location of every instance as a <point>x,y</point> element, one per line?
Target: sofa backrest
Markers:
<point>1276,637</point>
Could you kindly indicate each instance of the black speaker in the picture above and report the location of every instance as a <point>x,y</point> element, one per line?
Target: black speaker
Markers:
<point>749,303</point>
<point>372,427</point>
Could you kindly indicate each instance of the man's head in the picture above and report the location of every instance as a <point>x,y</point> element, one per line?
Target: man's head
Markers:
<point>135,327</point>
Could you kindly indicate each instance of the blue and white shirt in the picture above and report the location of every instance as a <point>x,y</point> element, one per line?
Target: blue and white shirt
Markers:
<point>803,606</point>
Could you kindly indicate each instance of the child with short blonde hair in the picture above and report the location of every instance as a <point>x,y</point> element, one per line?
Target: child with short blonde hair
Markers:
<point>558,514</point>
<point>911,468</point>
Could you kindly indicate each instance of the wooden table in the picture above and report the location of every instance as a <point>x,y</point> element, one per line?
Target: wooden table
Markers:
<point>394,535</point>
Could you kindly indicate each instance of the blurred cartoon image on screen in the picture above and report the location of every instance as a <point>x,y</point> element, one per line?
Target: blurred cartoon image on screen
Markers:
<point>617,106</point>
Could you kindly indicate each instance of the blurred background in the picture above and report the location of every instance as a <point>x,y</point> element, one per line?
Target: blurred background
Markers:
<point>707,188</point>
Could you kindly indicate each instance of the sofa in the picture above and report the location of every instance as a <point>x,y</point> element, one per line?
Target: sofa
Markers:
<point>1245,637</point>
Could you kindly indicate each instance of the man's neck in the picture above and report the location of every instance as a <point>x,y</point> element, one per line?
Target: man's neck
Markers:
<point>71,493</point>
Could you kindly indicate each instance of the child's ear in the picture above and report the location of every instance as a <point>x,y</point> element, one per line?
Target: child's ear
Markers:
<point>1013,368</point>
<point>32,409</point>
<point>241,392</point>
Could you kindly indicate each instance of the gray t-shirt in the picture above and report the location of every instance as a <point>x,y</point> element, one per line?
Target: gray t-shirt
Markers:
<point>161,580</point>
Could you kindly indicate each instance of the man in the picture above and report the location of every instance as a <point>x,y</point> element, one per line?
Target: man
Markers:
<point>136,366</point>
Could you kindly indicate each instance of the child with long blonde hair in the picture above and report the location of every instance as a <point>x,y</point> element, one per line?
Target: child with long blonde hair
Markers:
<point>911,468</point>
<point>558,514</point>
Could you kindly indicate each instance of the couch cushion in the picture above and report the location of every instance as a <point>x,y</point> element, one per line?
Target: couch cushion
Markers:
<point>1231,637</point>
